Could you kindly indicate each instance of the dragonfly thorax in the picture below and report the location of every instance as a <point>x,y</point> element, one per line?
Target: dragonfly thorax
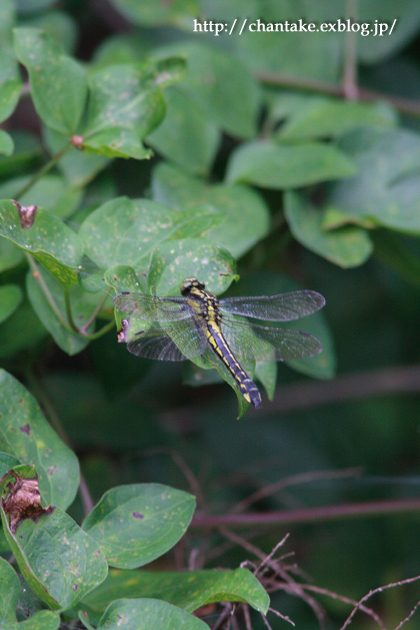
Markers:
<point>190,284</point>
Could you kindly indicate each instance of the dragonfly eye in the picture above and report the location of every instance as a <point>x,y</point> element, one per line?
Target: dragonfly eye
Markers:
<point>191,283</point>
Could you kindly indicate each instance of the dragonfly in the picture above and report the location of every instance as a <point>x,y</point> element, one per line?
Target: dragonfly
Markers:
<point>198,323</point>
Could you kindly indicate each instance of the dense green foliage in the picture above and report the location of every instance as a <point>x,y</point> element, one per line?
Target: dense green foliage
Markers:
<point>157,148</point>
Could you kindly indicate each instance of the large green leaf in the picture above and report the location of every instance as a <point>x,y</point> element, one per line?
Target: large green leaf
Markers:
<point>144,614</point>
<point>188,589</point>
<point>347,246</point>
<point>173,261</point>
<point>58,83</point>
<point>6,143</point>
<point>60,562</point>
<point>124,231</point>
<point>277,166</point>
<point>21,333</point>
<point>49,240</point>
<point>82,305</point>
<point>126,105</point>
<point>10,297</point>
<point>151,13</point>
<point>186,136</point>
<point>137,523</point>
<point>25,434</point>
<point>222,85</point>
<point>387,186</point>
<point>246,219</point>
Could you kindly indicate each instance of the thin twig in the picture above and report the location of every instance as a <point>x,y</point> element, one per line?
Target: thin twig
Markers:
<point>45,169</point>
<point>375,591</point>
<point>292,481</point>
<point>278,79</point>
<point>308,515</point>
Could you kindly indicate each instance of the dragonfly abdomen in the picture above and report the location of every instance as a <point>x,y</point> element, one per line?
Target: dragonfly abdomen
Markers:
<point>220,346</point>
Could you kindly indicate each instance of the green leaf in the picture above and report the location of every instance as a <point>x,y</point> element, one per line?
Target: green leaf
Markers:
<point>247,218</point>
<point>349,246</point>
<point>51,242</point>
<point>6,143</point>
<point>266,373</point>
<point>10,297</point>
<point>59,25</point>
<point>41,620</point>
<point>50,192</point>
<point>387,186</point>
<point>144,614</point>
<point>9,593</point>
<point>137,523</point>
<point>221,85</point>
<point>276,166</point>
<point>60,562</point>
<point>82,306</point>
<point>187,589</point>
<point>7,462</point>
<point>25,434</point>
<point>173,261</point>
<point>58,83</point>
<point>10,84</point>
<point>125,106</point>
<point>124,231</point>
<point>148,13</point>
<point>318,117</point>
<point>186,136</point>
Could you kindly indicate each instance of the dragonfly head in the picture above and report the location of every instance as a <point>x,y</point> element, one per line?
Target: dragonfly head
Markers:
<point>189,284</point>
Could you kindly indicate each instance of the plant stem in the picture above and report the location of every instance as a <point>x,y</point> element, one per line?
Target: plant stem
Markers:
<point>44,288</point>
<point>83,329</point>
<point>68,310</point>
<point>47,167</point>
<point>308,515</point>
<point>278,79</point>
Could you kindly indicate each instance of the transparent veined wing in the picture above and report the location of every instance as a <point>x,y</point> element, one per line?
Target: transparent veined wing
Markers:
<point>277,308</point>
<point>262,343</point>
<point>175,342</point>
<point>152,308</point>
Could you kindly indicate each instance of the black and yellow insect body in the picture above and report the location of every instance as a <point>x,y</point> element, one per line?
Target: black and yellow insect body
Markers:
<point>199,323</point>
<point>209,318</point>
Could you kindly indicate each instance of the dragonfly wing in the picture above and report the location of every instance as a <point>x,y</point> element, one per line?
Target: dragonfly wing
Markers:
<point>262,343</point>
<point>151,307</point>
<point>277,308</point>
<point>176,342</point>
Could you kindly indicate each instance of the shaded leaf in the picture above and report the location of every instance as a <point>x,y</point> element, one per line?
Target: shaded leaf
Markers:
<point>60,562</point>
<point>187,589</point>
<point>150,14</point>
<point>21,333</point>
<point>58,83</point>
<point>348,246</point>
<point>137,523</point>
<point>6,143</point>
<point>10,297</point>
<point>82,306</point>
<point>186,136</point>
<point>9,593</point>
<point>317,117</point>
<point>387,186</point>
<point>144,614</point>
<point>246,217</point>
<point>10,85</point>
<point>25,434</point>
<point>279,166</point>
